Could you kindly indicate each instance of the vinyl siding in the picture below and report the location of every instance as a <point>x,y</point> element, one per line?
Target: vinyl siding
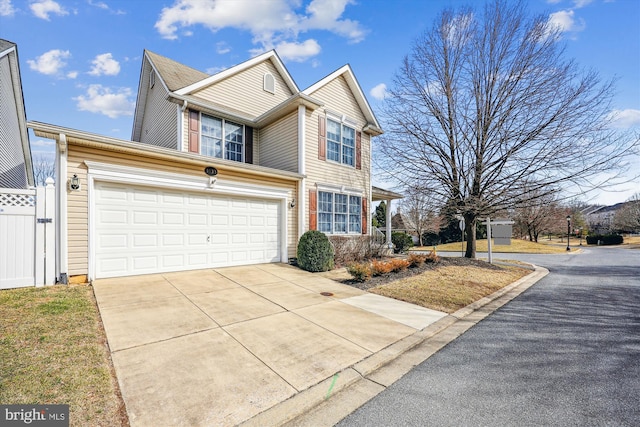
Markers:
<point>244,91</point>
<point>279,144</point>
<point>13,173</point>
<point>78,208</point>
<point>338,99</point>
<point>159,121</point>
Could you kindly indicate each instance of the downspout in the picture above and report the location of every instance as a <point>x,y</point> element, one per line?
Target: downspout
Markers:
<point>62,258</point>
<point>180,112</point>
<point>302,184</point>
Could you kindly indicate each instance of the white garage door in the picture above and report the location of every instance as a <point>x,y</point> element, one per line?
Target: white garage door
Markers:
<point>141,230</point>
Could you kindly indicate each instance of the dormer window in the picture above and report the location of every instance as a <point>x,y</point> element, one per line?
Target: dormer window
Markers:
<point>269,83</point>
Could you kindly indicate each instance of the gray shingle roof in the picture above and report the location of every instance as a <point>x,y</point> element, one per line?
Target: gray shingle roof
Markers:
<point>175,75</point>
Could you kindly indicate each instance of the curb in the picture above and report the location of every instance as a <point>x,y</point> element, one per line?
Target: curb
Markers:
<point>331,400</point>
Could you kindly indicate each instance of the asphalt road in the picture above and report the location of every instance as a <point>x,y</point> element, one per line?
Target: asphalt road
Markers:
<point>564,353</point>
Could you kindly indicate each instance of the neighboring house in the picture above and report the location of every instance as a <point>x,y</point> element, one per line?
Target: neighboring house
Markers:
<point>600,219</point>
<point>224,169</point>
<point>16,168</point>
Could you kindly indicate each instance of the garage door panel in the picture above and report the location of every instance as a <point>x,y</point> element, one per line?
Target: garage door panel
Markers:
<point>145,196</point>
<point>145,218</point>
<point>172,218</point>
<point>140,230</point>
<point>144,263</point>
<point>198,219</point>
<point>141,241</point>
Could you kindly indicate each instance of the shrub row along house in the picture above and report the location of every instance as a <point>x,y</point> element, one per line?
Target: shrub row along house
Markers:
<point>224,169</point>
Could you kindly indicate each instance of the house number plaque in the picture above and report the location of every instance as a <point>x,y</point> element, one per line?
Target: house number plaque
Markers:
<point>211,171</point>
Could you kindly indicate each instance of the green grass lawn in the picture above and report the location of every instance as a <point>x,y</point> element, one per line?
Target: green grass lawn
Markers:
<point>53,351</point>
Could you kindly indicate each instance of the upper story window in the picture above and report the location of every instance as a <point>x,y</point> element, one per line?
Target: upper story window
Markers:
<point>341,142</point>
<point>221,138</point>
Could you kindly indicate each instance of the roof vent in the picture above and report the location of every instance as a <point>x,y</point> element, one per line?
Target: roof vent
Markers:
<point>269,83</point>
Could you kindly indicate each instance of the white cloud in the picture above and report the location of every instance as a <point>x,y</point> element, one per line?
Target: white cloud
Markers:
<point>6,8</point>
<point>325,15</point>
<point>565,21</point>
<point>99,4</point>
<point>42,9</point>
<point>102,5</point>
<point>625,119</point>
<point>581,3</point>
<point>43,143</point>
<point>271,22</point>
<point>100,99</point>
<point>51,62</point>
<point>298,52</point>
<point>72,74</point>
<point>379,91</point>
<point>222,48</point>
<point>104,64</point>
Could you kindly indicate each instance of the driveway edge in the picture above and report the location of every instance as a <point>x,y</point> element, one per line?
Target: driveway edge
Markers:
<point>329,401</point>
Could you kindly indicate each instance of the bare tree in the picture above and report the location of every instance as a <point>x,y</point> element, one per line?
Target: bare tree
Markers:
<point>419,212</point>
<point>486,114</point>
<point>43,168</point>
<point>543,214</point>
<point>627,218</point>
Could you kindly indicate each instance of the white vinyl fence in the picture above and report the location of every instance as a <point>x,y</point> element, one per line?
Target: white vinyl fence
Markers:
<point>27,237</point>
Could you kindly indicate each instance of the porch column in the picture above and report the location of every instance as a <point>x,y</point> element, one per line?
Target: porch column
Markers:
<point>388,224</point>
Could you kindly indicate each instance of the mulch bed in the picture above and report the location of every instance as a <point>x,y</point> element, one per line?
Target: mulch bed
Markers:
<point>442,262</point>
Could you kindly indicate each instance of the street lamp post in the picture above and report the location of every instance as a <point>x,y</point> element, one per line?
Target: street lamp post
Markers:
<point>568,230</point>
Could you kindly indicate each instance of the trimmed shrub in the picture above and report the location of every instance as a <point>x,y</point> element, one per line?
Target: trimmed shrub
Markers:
<point>378,268</point>
<point>360,271</point>
<point>315,252</point>
<point>430,238</point>
<point>605,239</point>
<point>416,260</point>
<point>398,264</point>
<point>432,257</point>
<point>401,241</point>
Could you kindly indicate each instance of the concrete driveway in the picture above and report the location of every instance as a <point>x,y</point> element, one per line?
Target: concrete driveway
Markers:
<point>218,347</point>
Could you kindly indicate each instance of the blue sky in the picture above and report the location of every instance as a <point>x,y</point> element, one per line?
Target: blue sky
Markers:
<point>80,59</point>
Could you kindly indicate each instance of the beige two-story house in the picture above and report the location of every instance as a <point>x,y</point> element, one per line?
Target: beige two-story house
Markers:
<point>224,169</point>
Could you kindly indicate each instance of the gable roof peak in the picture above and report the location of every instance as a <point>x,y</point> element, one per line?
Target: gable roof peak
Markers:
<point>348,74</point>
<point>270,55</point>
<point>174,74</point>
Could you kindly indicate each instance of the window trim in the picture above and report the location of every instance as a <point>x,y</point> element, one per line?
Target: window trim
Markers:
<point>358,195</point>
<point>343,122</point>
<point>223,138</point>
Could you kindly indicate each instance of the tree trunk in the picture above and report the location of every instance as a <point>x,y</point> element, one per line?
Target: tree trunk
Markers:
<point>470,231</point>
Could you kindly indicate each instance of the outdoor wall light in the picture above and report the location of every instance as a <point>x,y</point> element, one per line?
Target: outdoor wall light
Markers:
<point>292,204</point>
<point>74,183</point>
